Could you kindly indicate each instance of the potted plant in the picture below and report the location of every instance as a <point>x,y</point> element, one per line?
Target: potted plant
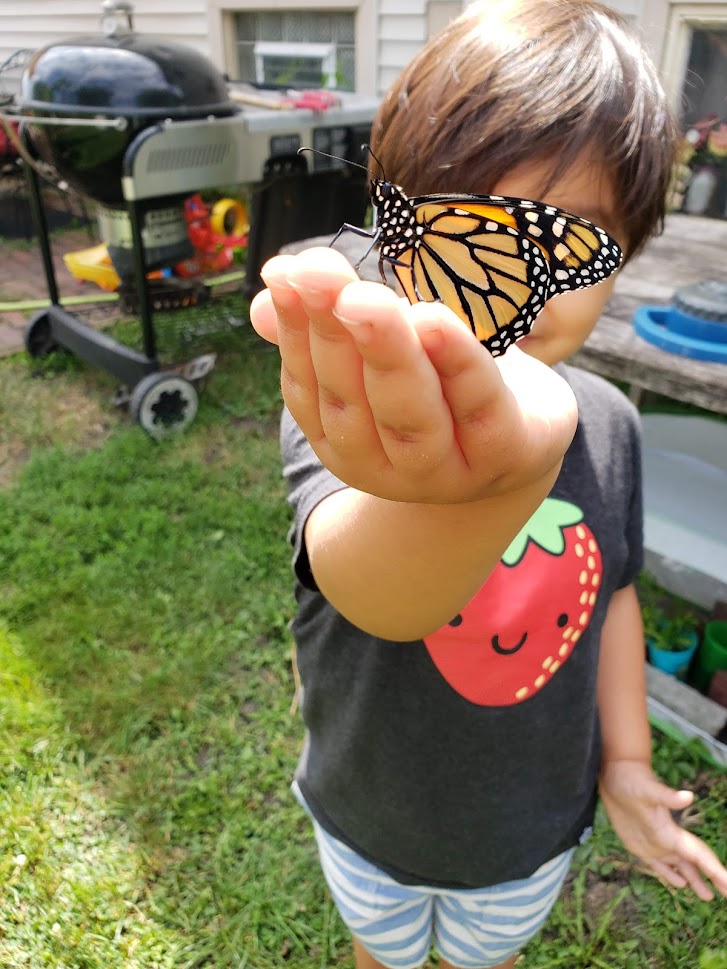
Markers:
<point>712,655</point>
<point>671,638</point>
<point>704,153</point>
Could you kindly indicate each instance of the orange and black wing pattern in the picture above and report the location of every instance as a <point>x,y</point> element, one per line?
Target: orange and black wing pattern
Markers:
<point>493,260</point>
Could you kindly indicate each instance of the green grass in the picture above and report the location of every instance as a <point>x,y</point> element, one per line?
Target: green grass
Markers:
<point>146,735</point>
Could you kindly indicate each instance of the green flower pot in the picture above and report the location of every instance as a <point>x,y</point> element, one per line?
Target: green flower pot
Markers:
<point>712,655</point>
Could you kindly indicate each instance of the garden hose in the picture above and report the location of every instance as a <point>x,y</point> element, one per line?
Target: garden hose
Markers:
<point>25,305</point>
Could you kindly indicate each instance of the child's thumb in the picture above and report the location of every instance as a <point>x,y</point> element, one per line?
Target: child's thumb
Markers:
<point>673,800</point>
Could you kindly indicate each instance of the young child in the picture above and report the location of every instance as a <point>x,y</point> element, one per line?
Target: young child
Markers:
<point>467,530</point>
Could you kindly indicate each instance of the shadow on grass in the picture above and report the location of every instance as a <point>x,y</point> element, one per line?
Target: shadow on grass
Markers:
<point>148,587</point>
<point>148,740</point>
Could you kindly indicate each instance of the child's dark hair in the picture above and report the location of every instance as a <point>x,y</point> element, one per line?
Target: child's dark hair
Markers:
<point>520,80</point>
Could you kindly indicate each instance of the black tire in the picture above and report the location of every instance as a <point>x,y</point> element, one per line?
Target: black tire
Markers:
<point>38,337</point>
<point>706,299</point>
<point>163,403</point>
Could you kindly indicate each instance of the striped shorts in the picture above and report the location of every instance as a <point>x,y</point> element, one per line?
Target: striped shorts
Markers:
<point>471,928</point>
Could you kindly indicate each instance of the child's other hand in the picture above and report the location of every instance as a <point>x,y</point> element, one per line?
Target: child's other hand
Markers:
<point>639,807</point>
<point>402,401</point>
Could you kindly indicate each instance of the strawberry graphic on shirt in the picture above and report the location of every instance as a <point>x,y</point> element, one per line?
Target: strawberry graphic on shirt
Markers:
<point>526,620</point>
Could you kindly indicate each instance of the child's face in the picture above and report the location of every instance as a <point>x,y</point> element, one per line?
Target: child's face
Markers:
<point>566,321</point>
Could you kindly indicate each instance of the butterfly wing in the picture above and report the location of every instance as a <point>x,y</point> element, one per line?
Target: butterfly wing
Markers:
<point>495,261</point>
<point>476,262</point>
<point>581,254</point>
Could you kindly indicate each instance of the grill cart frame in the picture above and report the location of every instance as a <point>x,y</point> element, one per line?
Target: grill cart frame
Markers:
<point>294,197</point>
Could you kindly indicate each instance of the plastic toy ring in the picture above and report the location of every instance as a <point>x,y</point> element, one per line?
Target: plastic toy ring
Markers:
<point>221,216</point>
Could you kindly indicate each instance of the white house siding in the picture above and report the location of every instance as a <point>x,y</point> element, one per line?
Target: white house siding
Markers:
<point>405,25</point>
<point>402,31</point>
<point>389,32</point>
<point>31,24</point>
<point>632,8</point>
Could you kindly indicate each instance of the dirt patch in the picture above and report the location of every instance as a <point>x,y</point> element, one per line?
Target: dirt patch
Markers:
<point>604,893</point>
<point>601,893</point>
<point>268,428</point>
<point>13,455</point>
<point>703,784</point>
<point>40,411</point>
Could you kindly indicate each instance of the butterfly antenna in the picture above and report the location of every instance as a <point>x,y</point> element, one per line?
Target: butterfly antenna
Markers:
<point>325,154</point>
<point>368,149</point>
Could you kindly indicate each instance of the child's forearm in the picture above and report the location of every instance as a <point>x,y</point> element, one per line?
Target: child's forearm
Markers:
<point>622,681</point>
<point>401,570</point>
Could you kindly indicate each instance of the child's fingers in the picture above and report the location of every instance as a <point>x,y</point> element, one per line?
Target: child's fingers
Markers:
<point>694,856</point>
<point>292,320</point>
<point>472,381</point>
<point>349,437</point>
<point>668,874</point>
<point>701,857</point>
<point>696,882</point>
<point>319,353</point>
<point>686,860</point>
<point>545,399</point>
<point>318,276</point>
<point>263,316</point>
<point>297,375</point>
<point>404,391</point>
<point>469,376</point>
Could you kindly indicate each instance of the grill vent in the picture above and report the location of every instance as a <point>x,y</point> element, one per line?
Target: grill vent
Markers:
<point>193,156</point>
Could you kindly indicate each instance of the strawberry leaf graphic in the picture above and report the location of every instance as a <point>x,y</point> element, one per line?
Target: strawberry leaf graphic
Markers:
<point>545,529</point>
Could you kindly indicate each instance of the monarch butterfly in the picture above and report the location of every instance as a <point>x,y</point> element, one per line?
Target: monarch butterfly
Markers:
<point>493,260</point>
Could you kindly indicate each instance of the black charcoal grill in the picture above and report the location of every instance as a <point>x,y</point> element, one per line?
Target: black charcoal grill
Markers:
<point>139,125</point>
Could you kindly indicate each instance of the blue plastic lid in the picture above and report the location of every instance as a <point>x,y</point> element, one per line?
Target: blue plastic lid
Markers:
<point>677,332</point>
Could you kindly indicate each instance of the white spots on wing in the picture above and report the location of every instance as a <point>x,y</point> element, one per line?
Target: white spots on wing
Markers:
<point>548,266</point>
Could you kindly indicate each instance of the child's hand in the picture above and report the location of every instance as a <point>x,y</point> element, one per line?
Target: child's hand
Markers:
<point>402,401</point>
<point>639,807</point>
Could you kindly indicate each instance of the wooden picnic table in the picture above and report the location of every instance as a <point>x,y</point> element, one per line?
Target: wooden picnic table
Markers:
<point>689,250</point>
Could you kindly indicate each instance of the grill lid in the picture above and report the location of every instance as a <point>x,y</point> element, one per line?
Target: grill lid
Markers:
<point>121,76</point>
<point>125,76</point>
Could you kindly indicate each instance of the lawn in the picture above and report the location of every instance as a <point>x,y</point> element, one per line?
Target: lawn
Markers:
<point>149,730</point>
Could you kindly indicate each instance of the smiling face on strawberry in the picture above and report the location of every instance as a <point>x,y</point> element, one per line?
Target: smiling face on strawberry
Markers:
<point>526,620</point>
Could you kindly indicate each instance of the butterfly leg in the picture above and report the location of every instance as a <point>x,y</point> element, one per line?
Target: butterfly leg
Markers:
<point>346,227</point>
<point>374,236</point>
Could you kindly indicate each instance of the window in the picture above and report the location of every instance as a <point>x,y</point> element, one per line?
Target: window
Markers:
<point>704,104</point>
<point>302,65</point>
<point>295,48</point>
<point>705,83</point>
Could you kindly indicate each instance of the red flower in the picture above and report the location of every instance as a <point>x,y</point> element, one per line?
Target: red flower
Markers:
<point>703,128</point>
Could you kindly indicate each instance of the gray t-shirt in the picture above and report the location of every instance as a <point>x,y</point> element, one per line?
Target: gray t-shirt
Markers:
<point>471,758</point>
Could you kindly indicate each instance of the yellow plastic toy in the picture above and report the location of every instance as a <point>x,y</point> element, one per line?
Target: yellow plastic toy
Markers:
<point>212,232</point>
<point>93,265</point>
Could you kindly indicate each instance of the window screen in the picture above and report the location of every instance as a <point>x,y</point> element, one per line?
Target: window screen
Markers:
<point>297,48</point>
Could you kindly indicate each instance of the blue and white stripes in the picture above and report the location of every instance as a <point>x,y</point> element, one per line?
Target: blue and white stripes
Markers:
<point>471,928</point>
<point>483,927</point>
<point>393,921</point>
